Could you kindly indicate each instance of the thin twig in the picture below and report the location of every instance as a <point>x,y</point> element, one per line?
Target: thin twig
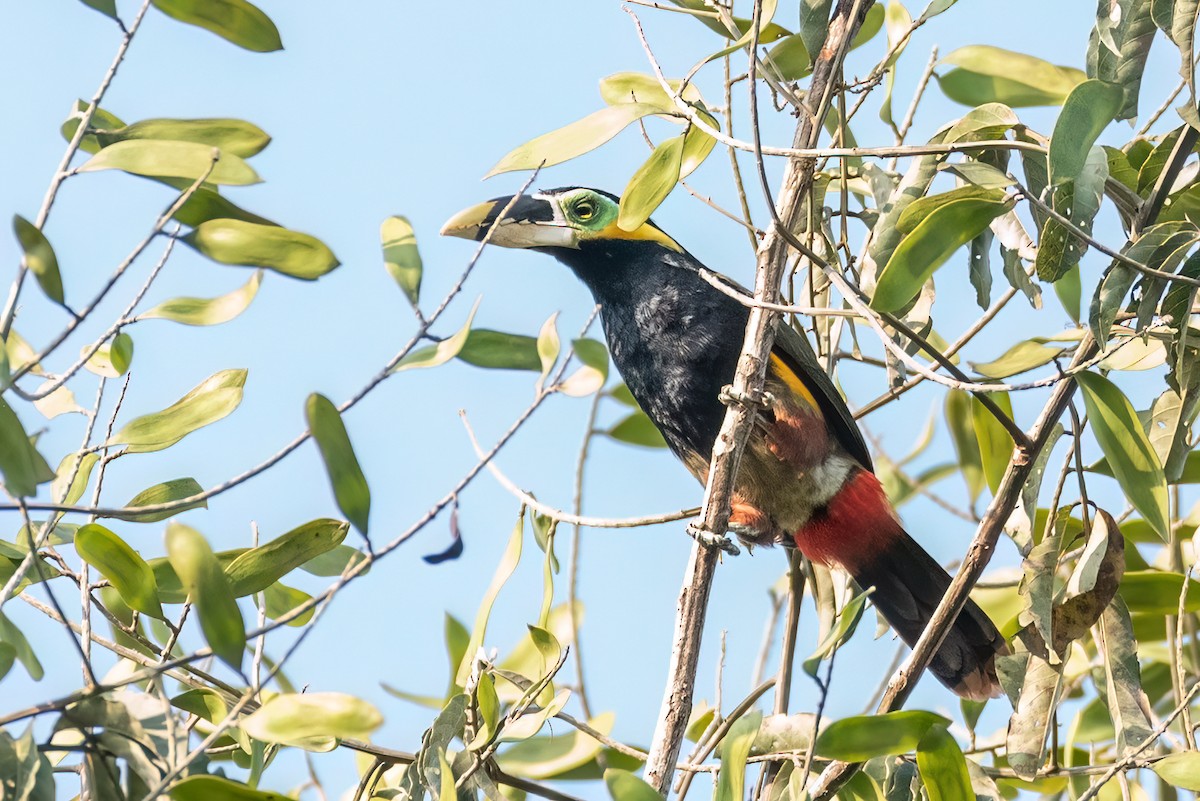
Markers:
<point>61,174</point>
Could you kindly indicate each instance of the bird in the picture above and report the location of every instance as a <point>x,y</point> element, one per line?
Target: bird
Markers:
<point>806,478</point>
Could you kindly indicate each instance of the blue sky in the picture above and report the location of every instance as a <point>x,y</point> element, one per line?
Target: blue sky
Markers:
<point>381,108</point>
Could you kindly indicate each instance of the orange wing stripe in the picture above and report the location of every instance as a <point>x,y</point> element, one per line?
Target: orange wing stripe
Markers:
<point>781,370</point>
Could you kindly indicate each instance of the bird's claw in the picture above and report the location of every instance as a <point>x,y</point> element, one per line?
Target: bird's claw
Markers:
<point>711,540</point>
<point>729,396</point>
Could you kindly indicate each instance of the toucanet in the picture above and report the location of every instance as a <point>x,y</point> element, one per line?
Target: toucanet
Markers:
<point>806,478</point>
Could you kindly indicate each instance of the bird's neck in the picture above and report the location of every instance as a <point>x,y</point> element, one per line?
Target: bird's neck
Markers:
<point>666,331</point>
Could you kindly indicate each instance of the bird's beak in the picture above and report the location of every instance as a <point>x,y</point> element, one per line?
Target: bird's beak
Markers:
<point>532,221</point>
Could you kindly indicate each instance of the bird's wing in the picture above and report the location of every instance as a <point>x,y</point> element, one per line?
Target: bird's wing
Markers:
<point>797,357</point>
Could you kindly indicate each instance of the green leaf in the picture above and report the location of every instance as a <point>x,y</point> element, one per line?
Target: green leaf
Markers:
<point>1127,448</point>
<point>203,702</point>
<point>171,159</point>
<point>504,571</point>
<point>69,494</point>
<point>651,184</point>
<point>966,445</point>
<point>944,230</point>
<point>280,599</point>
<point>1179,770</point>
<point>20,463</point>
<point>1060,249</point>
<point>213,399</point>
<point>106,7</point>
<point>943,767</point>
<point>500,351</point>
<point>8,657</point>
<point>814,23</point>
<point>624,786</point>
<point>112,359</point>
<point>770,31</point>
<point>101,120</point>
<point>218,788</point>
<point>862,737</point>
<point>237,137</point>
<point>637,429</point>
<point>166,492</point>
<point>13,636</point>
<point>1087,111</point>
<point>442,352</point>
<point>346,477</point>
<point>838,634</point>
<point>766,12</point>
<point>124,568</point>
<point>258,568</point>
<point>917,211</point>
<point>1020,358</point>
<point>980,174</point>
<point>39,257</point>
<point>401,257</point>
<point>987,74</point>
<point>335,562</point>
<point>1161,246</point>
<point>206,586</point>
<point>573,140</point>
<point>207,204</point>
<point>249,244</point>
<point>995,443</point>
<point>622,88</point>
<point>296,718</point>
<point>1156,592</point>
<point>735,748</point>
<point>1119,44</point>
<point>237,21</point>
<point>207,311</point>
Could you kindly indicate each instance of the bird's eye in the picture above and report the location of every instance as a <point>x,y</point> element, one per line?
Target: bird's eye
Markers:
<point>584,209</point>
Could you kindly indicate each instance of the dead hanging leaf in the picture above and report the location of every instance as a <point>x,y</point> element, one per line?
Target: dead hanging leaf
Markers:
<point>1100,569</point>
<point>1033,676</point>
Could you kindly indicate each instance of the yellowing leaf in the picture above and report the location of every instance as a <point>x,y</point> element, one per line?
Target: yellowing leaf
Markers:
<point>172,159</point>
<point>211,400</point>
<point>217,788</point>
<point>294,718</point>
<point>651,184</point>
<point>442,352</point>
<point>400,255</point>
<point>573,140</point>
<point>1180,770</point>
<point>112,359</point>
<point>207,311</point>
<point>237,137</point>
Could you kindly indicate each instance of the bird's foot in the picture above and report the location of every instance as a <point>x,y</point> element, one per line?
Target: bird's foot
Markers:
<point>710,540</point>
<point>729,396</point>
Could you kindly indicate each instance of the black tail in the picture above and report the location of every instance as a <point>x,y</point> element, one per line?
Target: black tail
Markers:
<point>908,584</point>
